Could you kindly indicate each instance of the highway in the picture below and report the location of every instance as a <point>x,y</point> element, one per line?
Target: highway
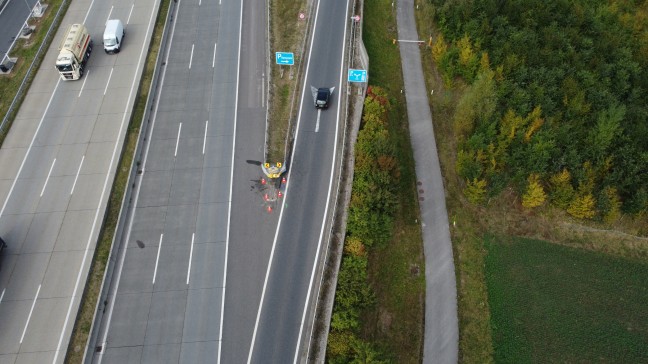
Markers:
<point>205,272</point>
<point>284,318</point>
<point>165,299</point>
<point>57,166</point>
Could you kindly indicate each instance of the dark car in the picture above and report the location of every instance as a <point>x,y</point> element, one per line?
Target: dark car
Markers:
<point>322,98</point>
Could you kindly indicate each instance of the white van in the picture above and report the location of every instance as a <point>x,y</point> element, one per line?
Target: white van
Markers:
<point>113,36</point>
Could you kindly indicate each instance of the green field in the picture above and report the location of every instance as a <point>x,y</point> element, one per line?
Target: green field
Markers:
<point>550,303</point>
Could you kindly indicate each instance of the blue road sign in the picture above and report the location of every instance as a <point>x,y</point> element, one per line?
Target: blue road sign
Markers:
<point>357,75</point>
<point>285,58</point>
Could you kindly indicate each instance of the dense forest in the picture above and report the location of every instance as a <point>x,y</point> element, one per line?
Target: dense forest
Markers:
<point>555,102</point>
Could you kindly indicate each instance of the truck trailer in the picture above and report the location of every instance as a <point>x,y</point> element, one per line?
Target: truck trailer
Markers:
<point>74,52</point>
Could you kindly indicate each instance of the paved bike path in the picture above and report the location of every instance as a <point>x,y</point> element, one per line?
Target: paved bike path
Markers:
<point>441,324</point>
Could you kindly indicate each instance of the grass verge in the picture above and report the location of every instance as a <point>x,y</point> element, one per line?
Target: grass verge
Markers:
<point>25,50</point>
<point>93,286</point>
<point>551,303</point>
<point>395,322</point>
<point>287,33</point>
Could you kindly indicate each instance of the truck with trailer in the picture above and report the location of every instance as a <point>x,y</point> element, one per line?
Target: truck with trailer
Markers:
<point>74,52</point>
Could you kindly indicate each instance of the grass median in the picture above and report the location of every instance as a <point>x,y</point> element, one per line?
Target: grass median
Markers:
<point>287,33</point>
<point>93,286</point>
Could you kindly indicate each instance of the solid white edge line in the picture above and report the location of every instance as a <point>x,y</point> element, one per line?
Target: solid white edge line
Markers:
<point>191,56</point>
<point>205,139</point>
<point>109,14</point>
<point>193,235</point>
<point>87,73</point>
<point>48,177</point>
<point>175,154</point>
<point>319,113</point>
<point>328,197</point>
<point>214,58</point>
<point>157,259</point>
<point>94,223</point>
<point>13,185</point>
<point>274,242</point>
<point>108,83</point>
<point>77,175</point>
<point>30,314</point>
<point>2,295</point>
<point>229,207</point>
<point>130,13</point>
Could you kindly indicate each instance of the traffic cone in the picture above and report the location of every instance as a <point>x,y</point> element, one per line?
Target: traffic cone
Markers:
<point>280,194</point>
<point>263,181</point>
<point>283,180</point>
<point>265,197</point>
<point>269,209</point>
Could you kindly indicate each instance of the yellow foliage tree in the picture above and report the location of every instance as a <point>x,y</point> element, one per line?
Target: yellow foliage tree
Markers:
<point>535,194</point>
<point>466,53</point>
<point>612,209</point>
<point>535,123</point>
<point>562,191</point>
<point>439,49</point>
<point>354,246</point>
<point>583,206</point>
<point>475,190</point>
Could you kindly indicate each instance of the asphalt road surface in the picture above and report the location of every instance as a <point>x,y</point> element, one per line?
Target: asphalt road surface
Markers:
<point>441,337</point>
<point>284,318</point>
<point>56,168</point>
<point>13,14</point>
<point>185,256</point>
<point>165,301</point>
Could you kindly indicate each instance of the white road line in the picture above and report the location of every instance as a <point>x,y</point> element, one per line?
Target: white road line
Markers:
<point>274,242</point>
<point>30,314</point>
<point>108,83</point>
<point>319,113</point>
<point>191,56</point>
<point>190,255</point>
<point>205,139</point>
<point>103,191</point>
<point>175,154</point>
<point>229,203</point>
<point>87,74</point>
<point>263,89</point>
<point>328,196</point>
<point>110,13</point>
<point>2,295</point>
<point>129,14</point>
<point>13,185</point>
<point>48,176</point>
<point>214,58</point>
<point>88,13</point>
<point>137,191</point>
<point>77,175</point>
<point>158,258</point>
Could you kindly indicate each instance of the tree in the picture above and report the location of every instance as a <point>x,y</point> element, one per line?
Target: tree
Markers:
<point>583,206</point>
<point>439,49</point>
<point>562,191</point>
<point>477,104</point>
<point>475,190</point>
<point>609,204</point>
<point>535,194</point>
